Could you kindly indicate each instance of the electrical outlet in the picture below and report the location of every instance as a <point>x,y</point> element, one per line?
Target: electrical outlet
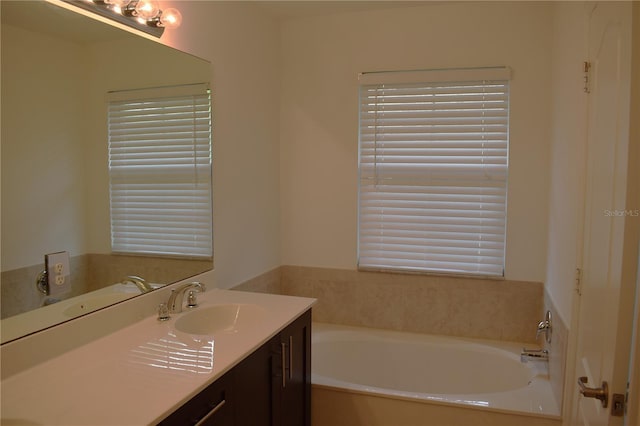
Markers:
<point>58,272</point>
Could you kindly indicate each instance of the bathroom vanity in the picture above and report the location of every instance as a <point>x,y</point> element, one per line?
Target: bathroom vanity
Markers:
<point>272,386</point>
<point>245,360</point>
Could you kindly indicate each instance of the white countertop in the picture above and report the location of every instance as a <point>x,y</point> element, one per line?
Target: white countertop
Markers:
<point>141,373</point>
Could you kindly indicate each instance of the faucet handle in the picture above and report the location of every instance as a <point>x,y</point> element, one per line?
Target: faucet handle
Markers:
<point>163,312</point>
<point>192,302</point>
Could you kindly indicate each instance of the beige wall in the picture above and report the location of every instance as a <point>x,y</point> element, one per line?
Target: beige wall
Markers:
<point>321,57</point>
<point>242,45</point>
<point>42,169</point>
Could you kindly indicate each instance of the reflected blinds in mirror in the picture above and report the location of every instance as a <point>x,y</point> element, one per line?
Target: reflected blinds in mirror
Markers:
<point>160,171</point>
<point>433,171</point>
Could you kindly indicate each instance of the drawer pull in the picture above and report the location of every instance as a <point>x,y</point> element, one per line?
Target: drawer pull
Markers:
<point>213,411</point>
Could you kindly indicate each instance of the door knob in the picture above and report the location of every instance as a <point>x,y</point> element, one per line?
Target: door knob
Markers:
<point>601,393</point>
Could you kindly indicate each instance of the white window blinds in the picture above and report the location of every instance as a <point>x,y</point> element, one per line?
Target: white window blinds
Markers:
<point>160,171</point>
<point>433,172</point>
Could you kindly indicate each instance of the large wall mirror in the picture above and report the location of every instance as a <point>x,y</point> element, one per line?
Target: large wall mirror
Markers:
<point>57,68</point>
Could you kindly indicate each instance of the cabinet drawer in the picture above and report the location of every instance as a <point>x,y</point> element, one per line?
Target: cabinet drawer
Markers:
<point>212,406</point>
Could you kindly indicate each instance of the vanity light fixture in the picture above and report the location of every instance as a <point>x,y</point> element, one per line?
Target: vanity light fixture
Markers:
<point>144,15</point>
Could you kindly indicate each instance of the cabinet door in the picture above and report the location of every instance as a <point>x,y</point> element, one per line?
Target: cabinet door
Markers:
<point>292,378</point>
<point>252,388</point>
<point>211,407</point>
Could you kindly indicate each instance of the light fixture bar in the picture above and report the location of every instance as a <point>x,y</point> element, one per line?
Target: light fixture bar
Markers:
<point>101,8</point>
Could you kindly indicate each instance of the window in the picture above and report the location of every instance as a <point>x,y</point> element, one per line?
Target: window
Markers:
<point>433,171</point>
<point>160,171</point>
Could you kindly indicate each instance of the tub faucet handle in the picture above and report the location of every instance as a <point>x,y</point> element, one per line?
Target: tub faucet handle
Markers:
<point>544,327</point>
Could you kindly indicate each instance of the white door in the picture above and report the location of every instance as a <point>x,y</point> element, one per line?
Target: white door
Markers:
<point>609,26</point>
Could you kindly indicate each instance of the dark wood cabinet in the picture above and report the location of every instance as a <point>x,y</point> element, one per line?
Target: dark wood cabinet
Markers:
<point>270,387</point>
<point>292,382</point>
<point>252,382</point>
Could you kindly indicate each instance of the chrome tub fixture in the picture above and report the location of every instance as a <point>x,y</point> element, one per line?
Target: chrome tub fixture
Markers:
<point>544,327</point>
<point>534,355</point>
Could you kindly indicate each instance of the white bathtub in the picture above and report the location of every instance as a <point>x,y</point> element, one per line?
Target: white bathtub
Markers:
<point>426,369</point>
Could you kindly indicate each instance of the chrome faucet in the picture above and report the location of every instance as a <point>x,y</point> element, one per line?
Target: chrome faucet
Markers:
<point>544,327</point>
<point>142,285</point>
<point>177,296</point>
<point>534,355</point>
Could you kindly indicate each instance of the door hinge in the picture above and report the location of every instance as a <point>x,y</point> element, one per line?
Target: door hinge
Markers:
<point>587,76</point>
<point>578,281</point>
<point>618,405</point>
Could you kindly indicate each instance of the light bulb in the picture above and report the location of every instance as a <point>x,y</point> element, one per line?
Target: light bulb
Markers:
<point>171,18</point>
<point>147,9</point>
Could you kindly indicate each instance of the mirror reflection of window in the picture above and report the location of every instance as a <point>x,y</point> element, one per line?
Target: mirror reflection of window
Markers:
<point>160,171</point>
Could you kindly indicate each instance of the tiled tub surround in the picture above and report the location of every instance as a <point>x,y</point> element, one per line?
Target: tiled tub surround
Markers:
<point>269,282</point>
<point>91,272</point>
<point>453,306</point>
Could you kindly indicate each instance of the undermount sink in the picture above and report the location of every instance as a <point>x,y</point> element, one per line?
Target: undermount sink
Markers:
<point>219,318</point>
